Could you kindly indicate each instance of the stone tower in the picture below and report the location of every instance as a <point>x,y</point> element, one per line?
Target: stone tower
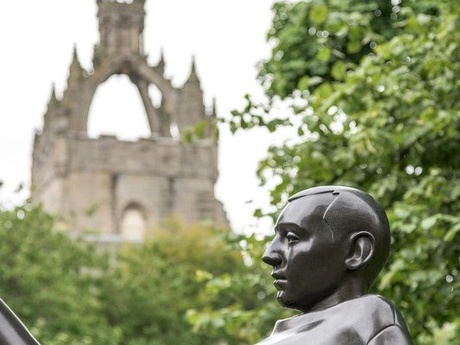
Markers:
<point>124,189</point>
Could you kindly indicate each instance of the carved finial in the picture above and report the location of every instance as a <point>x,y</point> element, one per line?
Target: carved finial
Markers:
<point>75,54</point>
<point>53,99</point>
<point>214,108</point>
<point>193,68</point>
<point>161,63</point>
<point>193,77</point>
<point>53,102</point>
<point>212,128</point>
<point>75,62</point>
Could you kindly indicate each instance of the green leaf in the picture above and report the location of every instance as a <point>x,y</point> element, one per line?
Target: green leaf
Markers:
<point>318,14</point>
<point>304,83</point>
<point>429,222</point>
<point>450,235</point>
<point>354,46</point>
<point>324,54</point>
<point>324,91</point>
<point>339,70</point>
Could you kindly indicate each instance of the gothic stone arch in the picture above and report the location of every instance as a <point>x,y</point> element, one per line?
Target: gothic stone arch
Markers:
<point>142,76</point>
<point>133,222</point>
<point>73,174</point>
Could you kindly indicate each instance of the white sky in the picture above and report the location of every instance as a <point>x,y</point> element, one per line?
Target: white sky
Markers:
<point>226,37</point>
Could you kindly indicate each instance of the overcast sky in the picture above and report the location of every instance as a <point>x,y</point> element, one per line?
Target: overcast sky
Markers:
<point>226,37</point>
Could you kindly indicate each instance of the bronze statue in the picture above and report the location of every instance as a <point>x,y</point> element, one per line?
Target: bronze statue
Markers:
<point>330,244</point>
<point>12,330</point>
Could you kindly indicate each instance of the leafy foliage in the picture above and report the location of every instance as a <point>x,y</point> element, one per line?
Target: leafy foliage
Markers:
<point>373,90</point>
<point>68,293</point>
<point>152,286</point>
<point>49,280</point>
<point>317,41</point>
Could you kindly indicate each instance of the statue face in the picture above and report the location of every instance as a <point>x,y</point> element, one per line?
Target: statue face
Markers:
<point>308,265</point>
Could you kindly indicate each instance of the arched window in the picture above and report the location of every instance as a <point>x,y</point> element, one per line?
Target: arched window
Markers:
<point>133,224</point>
<point>117,109</point>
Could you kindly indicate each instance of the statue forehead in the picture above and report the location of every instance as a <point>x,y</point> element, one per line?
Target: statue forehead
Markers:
<point>305,208</point>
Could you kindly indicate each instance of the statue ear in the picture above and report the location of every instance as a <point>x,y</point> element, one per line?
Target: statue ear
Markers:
<point>361,250</point>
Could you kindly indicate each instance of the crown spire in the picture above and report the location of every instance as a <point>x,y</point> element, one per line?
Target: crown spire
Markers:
<point>193,67</point>
<point>53,99</point>
<point>161,63</point>
<point>214,108</point>
<point>193,77</point>
<point>75,67</point>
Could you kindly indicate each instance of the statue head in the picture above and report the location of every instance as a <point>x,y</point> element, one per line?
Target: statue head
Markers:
<point>330,244</point>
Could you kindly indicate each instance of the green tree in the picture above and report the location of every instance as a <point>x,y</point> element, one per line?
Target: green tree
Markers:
<point>66,292</point>
<point>152,286</point>
<point>373,92</point>
<point>51,281</point>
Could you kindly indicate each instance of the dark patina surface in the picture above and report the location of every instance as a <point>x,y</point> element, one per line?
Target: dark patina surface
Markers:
<point>330,244</point>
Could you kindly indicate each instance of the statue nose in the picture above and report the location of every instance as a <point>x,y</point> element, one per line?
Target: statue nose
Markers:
<point>272,260</point>
<point>271,256</point>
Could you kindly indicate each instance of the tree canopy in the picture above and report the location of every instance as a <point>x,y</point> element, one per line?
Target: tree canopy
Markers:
<point>67,292</point>
<point>373,95</point>
<point>52,282</point>
<point>151,287</point>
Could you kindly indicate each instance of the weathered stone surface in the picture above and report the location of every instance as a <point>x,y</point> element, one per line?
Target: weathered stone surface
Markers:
<point>94,182</point>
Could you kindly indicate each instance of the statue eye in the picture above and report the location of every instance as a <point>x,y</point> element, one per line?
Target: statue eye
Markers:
<point>292,238</point>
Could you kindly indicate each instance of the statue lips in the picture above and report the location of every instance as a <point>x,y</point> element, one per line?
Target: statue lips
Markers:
<point>280,279</point>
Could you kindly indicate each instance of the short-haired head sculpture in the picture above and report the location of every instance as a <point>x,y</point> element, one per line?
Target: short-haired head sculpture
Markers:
<point>330,244</point>
<point>352,211</point>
